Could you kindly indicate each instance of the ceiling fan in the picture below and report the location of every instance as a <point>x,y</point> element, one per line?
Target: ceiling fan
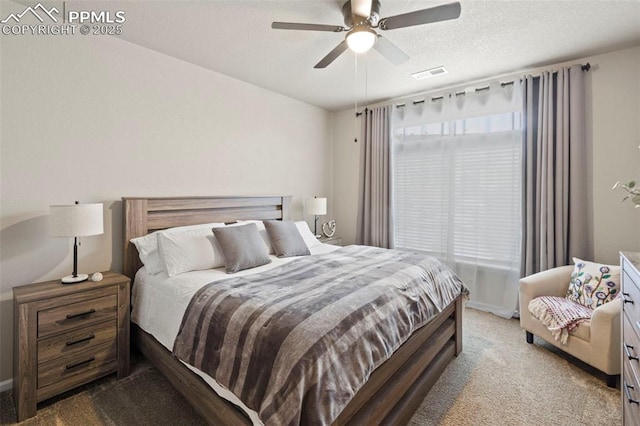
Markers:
<point>361,18</point>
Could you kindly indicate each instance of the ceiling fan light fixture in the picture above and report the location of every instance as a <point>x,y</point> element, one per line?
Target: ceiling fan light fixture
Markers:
<point>361,17</point>
<point>361,39</point>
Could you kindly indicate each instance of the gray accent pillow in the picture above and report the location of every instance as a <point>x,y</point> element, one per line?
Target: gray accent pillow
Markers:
<point>242,247</point>
<point>286,239</point>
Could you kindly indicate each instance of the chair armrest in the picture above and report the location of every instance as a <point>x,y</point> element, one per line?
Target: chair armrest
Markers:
<point>606,336</point>
<point>606,318</point>
<point>552,282</point>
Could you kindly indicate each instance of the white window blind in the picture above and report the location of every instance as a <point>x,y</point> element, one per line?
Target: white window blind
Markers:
<point>419,188</point>
<point>457,188</point>
<point>486,213</point>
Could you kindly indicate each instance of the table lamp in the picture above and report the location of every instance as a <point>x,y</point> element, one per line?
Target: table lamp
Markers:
<point>315,206</point>
<point>75,220</point>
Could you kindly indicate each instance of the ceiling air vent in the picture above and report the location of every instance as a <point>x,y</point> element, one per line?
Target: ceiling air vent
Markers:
<point>429,73</point>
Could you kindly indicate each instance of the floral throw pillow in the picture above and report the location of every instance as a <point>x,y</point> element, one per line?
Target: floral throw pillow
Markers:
<point>593,284</point>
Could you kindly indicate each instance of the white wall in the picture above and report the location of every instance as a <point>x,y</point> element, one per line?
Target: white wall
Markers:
<point>615,133</point>
<point>613,117</point>
<point>345,175</point>
<point>96,118</point>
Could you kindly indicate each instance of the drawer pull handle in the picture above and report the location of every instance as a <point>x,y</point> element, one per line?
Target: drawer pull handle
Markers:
<point>81,314</point>
<point>93,336</point>
<point>78,364</point>
<point>628,353</point>
<point>624,297</point>
<point>628,394</point>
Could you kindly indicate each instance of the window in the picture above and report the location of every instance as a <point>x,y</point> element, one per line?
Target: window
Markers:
<point>465,174</point>
<point>456,182</point>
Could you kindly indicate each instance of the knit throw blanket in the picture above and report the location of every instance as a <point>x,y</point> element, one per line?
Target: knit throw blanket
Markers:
<point>559,315</point>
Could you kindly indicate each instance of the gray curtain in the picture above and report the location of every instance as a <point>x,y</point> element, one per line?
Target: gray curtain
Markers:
<point>374,197</point>
<point>555,196</point>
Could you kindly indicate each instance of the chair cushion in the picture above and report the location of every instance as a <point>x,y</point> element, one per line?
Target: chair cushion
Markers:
<point>582,331</point>
<point>593,284</point>
<point>560,315</point>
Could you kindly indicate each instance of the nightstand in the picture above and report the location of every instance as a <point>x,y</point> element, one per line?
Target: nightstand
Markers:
<point>66,335</point>
<point>336,241</point>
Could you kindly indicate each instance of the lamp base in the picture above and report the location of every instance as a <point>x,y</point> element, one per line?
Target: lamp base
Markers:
<point>70,279</point>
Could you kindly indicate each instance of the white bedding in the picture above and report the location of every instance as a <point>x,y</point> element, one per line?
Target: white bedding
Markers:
<point>159,303</point>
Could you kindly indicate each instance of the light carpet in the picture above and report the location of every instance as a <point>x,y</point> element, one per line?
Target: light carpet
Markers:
<point>498,379</point>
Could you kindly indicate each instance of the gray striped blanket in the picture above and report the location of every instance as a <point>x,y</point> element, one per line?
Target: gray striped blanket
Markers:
<point>297,342</point>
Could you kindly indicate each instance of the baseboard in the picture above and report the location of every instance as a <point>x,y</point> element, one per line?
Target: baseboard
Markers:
<point>6,385</point>
<point>488,308</point>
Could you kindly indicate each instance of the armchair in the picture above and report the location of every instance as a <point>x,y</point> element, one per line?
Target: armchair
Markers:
<point>596,342</point>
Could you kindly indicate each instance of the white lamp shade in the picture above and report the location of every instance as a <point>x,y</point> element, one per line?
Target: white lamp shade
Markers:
<point>76,220</point>
<point>315,206</point>
<point>361,40</point>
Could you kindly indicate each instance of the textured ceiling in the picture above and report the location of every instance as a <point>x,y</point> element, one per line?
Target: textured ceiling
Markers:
<point>491,37</point>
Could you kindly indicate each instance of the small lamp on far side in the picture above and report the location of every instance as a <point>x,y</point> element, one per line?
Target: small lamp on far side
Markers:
<point>316,207</point>
<point>75,220</point>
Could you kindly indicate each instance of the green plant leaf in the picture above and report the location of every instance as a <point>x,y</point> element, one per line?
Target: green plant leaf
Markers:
<point>606,276</point>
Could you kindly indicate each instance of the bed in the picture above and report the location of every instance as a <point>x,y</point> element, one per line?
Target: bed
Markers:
<point>393,391</point>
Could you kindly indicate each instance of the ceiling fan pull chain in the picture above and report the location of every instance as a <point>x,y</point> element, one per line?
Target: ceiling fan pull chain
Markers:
<point>366,80</point>
<point>355,120</point>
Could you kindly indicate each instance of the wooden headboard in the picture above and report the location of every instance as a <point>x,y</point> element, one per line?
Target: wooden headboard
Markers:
<point>145,215</point>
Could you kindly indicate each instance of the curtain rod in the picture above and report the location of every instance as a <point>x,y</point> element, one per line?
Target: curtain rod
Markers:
<point>585,67</point>
<point>364,111</point>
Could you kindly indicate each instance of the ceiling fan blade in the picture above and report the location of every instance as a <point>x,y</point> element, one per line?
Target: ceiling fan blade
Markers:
<point>361,7</point>
<point>337,51</point>
<point>390,51</point>
<point>306,27</point>
<point>419,17</point>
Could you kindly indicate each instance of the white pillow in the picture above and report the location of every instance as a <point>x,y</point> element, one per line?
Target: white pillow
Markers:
<point>189,250</point>
<point>307,235</point>
<point>148,252</point>
<point>261,230</point>
<point>147,246</point>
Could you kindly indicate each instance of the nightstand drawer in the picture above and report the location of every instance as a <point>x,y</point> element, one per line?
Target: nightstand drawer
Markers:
<point>76,315</point>
<point>83,365</point>
<point>74,341</point>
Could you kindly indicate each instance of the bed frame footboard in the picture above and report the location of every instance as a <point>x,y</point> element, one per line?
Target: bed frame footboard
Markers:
<point>393,393</point>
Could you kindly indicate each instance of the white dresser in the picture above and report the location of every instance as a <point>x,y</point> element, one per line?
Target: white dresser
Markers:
<point>630,382</point>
